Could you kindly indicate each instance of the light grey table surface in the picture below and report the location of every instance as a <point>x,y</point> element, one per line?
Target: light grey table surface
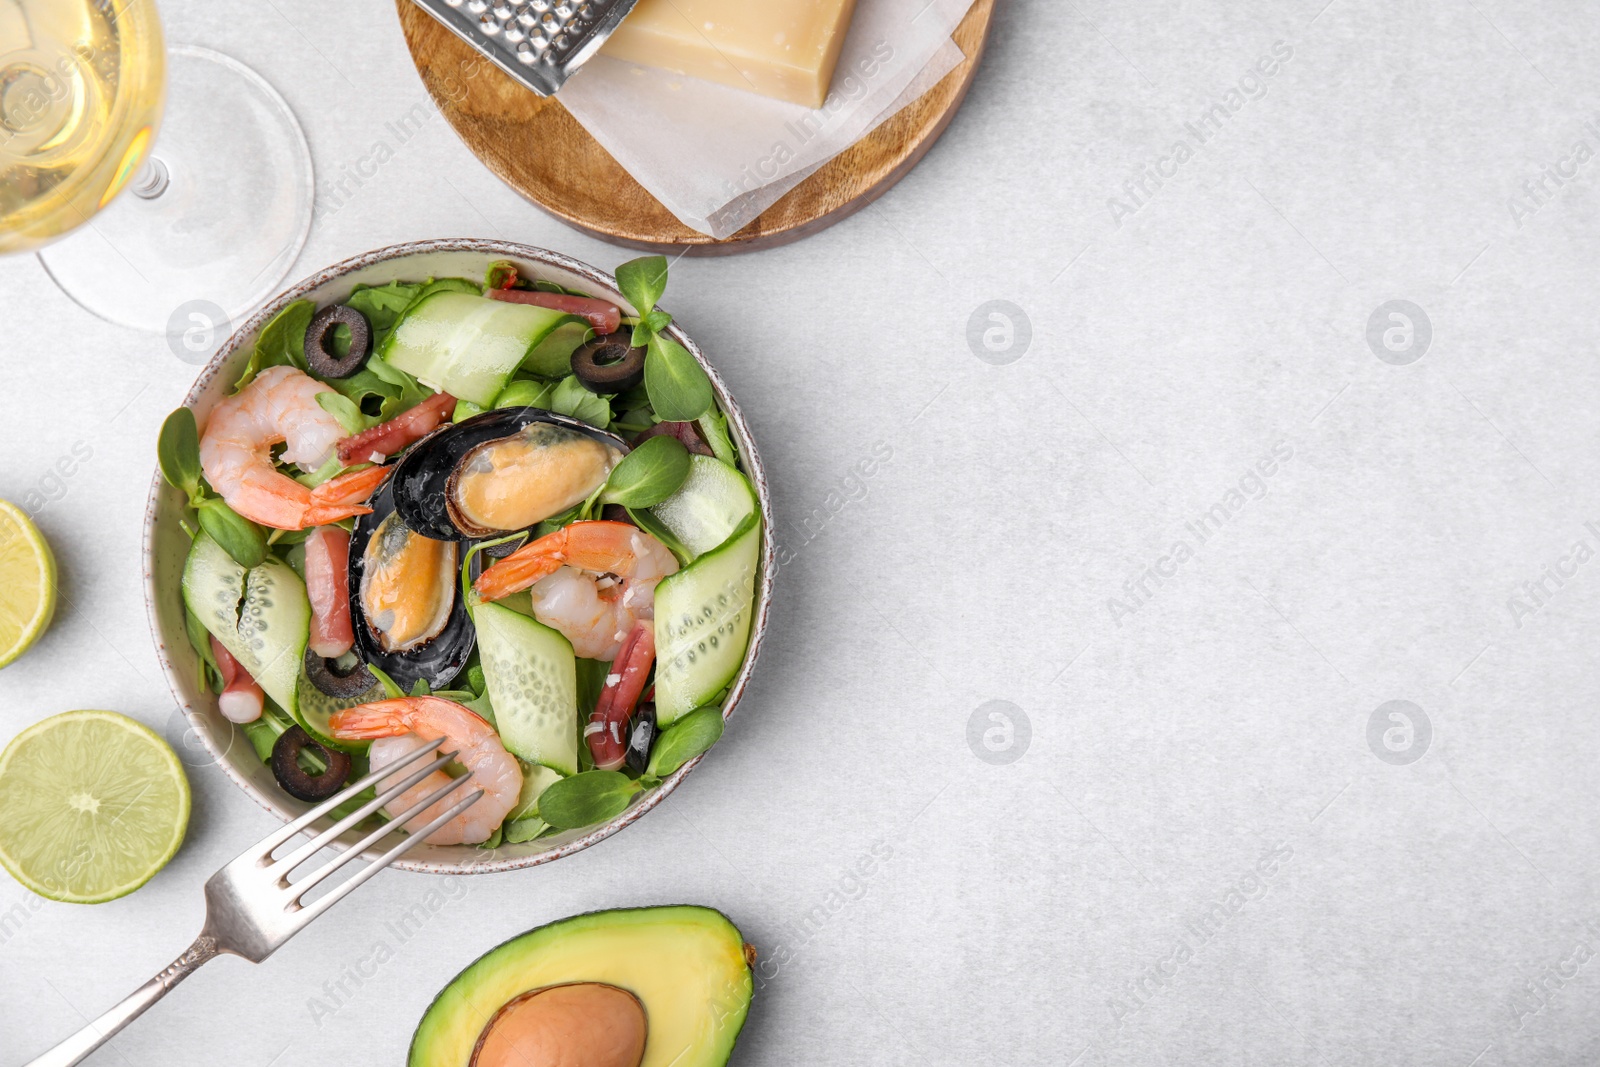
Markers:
<point>1198,836</point>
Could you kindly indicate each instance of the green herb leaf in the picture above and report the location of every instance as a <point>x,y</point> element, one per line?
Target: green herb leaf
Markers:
<point>281,343</point>
<point>649,474</point>
<point>484,709</point>
<point>569,397</point>
<point>647,521</point>
<point>476,680</point>
<point>678,386</point>
<point>642,282</point>
<point>363,384</point>
<point>586,799</point>
<point>383,305</point>
<point>200,641</point>
<point>330,467</point>
<point>714,425</point>
<point>388,372</point>
<point>525,394</point>
<point>524,830</point>
<point>648,326</point>
<point>684,740</point>
<point>265,731</point>
<point>591,681</point>
<point>344,409</point>
<point>468,597</point>
<point>295,537</point>
<point>420,689</point>
<point>238,536</point>
<point>465,409</point>
<point>178,451</point>
<point>391,691</point>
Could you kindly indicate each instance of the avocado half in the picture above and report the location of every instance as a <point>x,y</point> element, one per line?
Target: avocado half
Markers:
<point>686,964</point>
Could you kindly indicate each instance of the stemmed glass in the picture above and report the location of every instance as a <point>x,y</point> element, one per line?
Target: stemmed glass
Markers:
<point>173,233</point>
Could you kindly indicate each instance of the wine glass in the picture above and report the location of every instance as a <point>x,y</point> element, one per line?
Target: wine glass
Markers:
<point>212,213</point>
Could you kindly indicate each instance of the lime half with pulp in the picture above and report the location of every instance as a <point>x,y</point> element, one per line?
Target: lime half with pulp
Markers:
<point>27,583</point>
<point>92,805</point>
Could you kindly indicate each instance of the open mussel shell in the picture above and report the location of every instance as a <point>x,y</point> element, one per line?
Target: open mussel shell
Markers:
<point>500,472</point>
<point>405,599</point>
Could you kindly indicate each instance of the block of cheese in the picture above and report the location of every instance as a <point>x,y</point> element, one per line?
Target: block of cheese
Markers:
<point>781,48</point>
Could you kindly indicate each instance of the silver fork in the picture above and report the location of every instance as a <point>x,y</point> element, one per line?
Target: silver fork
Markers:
<point>252,908</point>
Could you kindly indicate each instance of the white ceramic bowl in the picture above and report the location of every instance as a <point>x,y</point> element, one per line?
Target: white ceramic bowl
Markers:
<point>166,544</point>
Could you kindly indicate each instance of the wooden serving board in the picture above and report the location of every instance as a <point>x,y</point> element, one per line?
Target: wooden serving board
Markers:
<point>534,145</point>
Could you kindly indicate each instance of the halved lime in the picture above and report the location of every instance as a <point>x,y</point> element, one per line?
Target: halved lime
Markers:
<point>92,805</point>
<point>27,583</point>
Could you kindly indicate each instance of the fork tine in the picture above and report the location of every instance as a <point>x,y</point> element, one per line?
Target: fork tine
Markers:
<point>299,889</point>
<point>287,865</point>
<point>275,840</point>
<point>412,841</point>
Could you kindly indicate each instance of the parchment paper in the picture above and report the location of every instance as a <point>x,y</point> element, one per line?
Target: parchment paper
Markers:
<point>717,157</point>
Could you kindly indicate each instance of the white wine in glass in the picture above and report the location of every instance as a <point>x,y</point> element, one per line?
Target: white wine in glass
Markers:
<point>212,212</point>
<point>80,97</point>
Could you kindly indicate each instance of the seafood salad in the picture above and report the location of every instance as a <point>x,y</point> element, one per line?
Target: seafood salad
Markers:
<point>503,514</point>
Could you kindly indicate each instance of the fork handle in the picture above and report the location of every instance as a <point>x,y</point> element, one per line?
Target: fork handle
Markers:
<point>76,1048</point>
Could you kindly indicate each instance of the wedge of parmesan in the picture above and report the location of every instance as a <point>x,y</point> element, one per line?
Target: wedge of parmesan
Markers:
<point>780,48</point>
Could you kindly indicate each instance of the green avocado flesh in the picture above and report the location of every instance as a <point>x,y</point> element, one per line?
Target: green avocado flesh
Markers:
<point>686,965</point>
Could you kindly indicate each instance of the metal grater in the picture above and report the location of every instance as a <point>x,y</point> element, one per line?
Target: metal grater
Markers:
<point>540,43</point>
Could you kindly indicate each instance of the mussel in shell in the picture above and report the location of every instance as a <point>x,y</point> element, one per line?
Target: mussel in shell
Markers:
<point>502,471</point>
<point>405,600</point>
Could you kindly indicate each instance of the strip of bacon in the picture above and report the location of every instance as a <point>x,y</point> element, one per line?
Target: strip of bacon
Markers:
<point>603,315</point>
<point>407,428</point>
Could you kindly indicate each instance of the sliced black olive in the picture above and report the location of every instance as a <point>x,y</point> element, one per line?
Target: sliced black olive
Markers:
<point>642,737</point>
<point>321,357</point>
<point>609,365</point>
<point>295,779</point>
<point>327,676</point>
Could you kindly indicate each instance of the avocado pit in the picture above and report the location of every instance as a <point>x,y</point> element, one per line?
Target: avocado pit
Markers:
<point>585,1024</point>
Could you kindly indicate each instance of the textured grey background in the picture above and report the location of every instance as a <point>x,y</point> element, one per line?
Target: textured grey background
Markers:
<point>1208,746</point>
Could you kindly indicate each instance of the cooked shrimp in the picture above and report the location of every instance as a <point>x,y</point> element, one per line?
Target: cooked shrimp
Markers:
<point>593,581</point>
<point>397,727</point>
<point>280,407</point>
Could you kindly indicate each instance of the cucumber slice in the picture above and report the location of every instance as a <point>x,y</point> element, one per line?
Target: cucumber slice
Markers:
<point>467,345</point>
<point>712,502</point>
<point>313,709</point>
<point>532,678</point>
<point>261,615</point>
<point>552,357</point>
<point>703,616</point>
